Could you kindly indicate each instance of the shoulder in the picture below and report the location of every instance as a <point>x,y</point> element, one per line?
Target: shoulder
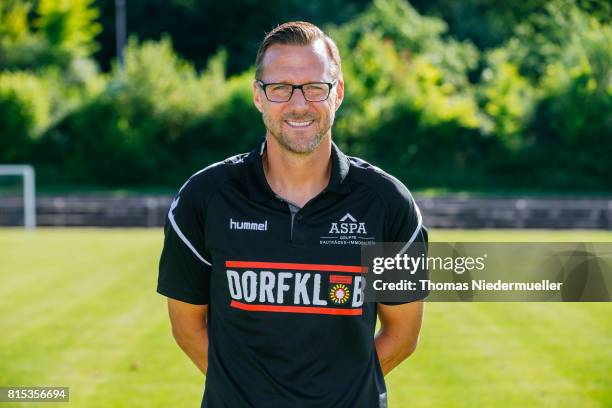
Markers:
<point>402,217</point>
<point>213,177</point>
<point>389,188</point>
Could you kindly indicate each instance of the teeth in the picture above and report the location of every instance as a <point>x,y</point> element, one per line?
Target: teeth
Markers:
<point>299,124</point>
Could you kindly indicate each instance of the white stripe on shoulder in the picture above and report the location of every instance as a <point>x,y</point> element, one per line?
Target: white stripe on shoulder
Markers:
<point>180,233</point>
<point>198,172</point>
<point>416,207</point>
<point>175,225</point>
<point>416,231</point>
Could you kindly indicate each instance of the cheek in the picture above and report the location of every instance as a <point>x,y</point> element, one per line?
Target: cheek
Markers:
<point>326,112</point>
<point>271,113</point>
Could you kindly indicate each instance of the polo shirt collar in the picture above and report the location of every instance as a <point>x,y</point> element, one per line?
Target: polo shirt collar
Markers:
<point>259,189</point>
<point>338,182</point>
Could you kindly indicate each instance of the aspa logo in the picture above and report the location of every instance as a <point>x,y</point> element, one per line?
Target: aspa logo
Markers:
<point>347,231</point>
<point>348,225</point>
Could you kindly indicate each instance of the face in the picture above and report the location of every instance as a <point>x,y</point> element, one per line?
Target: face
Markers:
<point>298,125</point>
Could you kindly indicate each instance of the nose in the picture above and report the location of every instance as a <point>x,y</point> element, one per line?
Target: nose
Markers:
<point>298,100</point>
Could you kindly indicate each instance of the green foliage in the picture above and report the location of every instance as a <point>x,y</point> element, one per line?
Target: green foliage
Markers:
<point>61,30</point>
<point>577,87</point>
<point>14,18</point>
<point>200,28</point>
<point>160,81</point>
<point>25,110</point>
<point>543,38</point>
<point>407,91</point>
<point>486,23</point>
<point>507,98</point>
<point>411,34</point>
<point>534,111</point>
<point>232,126</point>
<point>574,114</point>
<point>69,25</point>
<point>157,120</point>
<point>19,47</point>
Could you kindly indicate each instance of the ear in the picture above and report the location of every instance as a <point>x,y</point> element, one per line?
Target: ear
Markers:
<point>339,93</point>
<point>257,96</point>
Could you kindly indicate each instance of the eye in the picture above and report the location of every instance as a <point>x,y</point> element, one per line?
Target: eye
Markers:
<point>279,87</point>
<point>316,87</point>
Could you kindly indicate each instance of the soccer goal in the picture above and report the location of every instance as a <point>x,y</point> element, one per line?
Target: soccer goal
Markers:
<point>29,190</point>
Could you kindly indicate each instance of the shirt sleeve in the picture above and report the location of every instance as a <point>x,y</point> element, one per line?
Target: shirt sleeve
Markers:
<point>404,225</point>
<point>404,222</point>
<point>185,266</point>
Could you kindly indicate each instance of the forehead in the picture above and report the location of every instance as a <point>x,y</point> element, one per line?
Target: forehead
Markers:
<point>296,63</point>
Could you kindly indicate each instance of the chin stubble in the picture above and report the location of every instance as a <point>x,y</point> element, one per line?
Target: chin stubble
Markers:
<point>285,140</point>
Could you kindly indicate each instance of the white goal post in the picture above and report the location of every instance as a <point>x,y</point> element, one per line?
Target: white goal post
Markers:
<point>29,190</point>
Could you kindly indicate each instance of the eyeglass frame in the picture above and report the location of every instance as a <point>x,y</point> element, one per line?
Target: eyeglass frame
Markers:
<point>263,86</point>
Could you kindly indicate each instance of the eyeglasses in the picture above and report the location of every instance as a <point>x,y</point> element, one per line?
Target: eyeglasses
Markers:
<point>312,91</point>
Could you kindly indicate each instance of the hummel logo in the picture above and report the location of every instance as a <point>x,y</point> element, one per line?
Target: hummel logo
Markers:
<point>351,227</point>
<point>245,225</point>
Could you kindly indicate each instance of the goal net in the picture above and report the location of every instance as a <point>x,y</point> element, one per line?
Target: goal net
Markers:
<point>17,187</point>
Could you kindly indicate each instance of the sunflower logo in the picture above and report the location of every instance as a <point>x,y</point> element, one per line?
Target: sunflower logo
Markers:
<point>339,293</point>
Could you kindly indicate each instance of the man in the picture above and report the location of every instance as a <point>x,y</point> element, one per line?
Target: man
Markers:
<point>261,259</point>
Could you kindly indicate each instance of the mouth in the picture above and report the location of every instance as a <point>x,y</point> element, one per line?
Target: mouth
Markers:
<point>297,124</point>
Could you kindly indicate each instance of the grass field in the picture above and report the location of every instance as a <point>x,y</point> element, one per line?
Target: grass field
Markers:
<point>78,308</point>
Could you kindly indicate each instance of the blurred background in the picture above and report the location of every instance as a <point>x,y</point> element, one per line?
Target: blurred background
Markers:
<point>477,95</point>
<point>496,114</point>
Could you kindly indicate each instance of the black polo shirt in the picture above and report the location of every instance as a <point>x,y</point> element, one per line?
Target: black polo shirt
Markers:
<point>287,324</point>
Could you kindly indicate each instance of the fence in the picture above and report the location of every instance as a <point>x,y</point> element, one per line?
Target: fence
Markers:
<point>440,212</point>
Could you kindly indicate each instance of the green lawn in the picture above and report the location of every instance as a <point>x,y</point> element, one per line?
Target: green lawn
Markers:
<point>78,308</point>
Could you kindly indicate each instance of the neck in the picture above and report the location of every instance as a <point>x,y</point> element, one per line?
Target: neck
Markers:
<point>297,177</point>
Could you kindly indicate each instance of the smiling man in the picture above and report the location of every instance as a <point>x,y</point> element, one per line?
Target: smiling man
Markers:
<point>261,258</point>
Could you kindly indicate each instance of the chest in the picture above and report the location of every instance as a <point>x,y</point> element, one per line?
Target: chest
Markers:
<point>268,258</point>
<point>328,231</point>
